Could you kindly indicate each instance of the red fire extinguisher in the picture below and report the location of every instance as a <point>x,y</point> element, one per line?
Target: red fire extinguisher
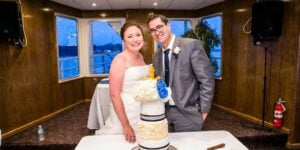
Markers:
<point>279,109</point>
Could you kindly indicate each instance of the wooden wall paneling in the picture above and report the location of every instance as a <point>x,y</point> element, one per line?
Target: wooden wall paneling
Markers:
<point>295,128</point>
<point>245,61</point>
<point>296,116</point>
<point>90,86</point>
<point>71,92</point>
<point>294,138</point>
<point>3,82</point>
<point>31,89</point>
<point>222,94</point>
<point>4,86</point>
<point>239,58</point>
<point>243,66</point>
<point>241,86</point>
<point>284,65</point>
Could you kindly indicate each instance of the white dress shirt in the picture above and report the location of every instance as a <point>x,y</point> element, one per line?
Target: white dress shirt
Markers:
<point>170,46</point>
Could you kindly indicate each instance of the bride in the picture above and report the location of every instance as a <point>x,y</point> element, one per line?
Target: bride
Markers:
<point>127,68</point>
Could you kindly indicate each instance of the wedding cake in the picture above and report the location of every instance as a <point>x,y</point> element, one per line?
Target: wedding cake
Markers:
<point>153,126</point>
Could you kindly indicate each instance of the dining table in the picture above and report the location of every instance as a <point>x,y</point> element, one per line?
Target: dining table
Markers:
<point>100,105</point>
<point>201,140</point>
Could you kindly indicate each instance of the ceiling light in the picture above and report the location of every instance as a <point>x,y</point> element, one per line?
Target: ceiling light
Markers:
<point>151,14</point>
<point>46,9</point>
<point>103,15</point>
<point>155,4</point>
<point>94,4</point>
<point>27,16</point>
<point>241,10</point>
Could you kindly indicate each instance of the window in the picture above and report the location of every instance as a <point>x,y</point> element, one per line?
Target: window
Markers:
<point>106,43</point>
<point>67,39</point>
<point>179,27</point>
<point>215,23</point>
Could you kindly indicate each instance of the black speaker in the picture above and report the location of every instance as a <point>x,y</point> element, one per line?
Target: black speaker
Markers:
<point>10,20</point>
<point>267,19</point>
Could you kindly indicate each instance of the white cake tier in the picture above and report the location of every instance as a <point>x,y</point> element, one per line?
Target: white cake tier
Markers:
<point>153,135</point>
<point>153,107</point>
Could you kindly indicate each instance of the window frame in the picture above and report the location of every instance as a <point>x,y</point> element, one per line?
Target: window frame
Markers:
<point>57,48</point>
<point>193,22</point>
<point>90,48</point>
<point>221,45</point>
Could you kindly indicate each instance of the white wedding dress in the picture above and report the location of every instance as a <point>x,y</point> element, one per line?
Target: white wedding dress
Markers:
<point>132,108</point>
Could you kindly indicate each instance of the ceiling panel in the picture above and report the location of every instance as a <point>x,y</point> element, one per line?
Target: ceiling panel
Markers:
<point>209,2</point>
<point>125,4</point>
<point>188,4</point>
<point>87,4</point>
<point>68,3</point>
<point>162,4</point>
<point>138,4</point>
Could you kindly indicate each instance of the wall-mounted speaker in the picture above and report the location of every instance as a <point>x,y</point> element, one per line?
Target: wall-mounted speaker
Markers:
<point>10,20</point>
<point>267,19</point>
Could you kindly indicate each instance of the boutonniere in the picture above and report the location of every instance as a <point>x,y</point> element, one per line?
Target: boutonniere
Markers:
<point>176,51</point>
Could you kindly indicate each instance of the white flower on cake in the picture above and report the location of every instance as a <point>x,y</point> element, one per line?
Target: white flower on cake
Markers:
<point>146,90</point>
<point>151,89</point>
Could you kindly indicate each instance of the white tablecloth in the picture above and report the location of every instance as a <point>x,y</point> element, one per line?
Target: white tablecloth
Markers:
<point>99,107</point>
<point>181,140</point>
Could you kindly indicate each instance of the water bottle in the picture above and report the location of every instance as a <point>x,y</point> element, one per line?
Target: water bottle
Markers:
<point>41,133</point>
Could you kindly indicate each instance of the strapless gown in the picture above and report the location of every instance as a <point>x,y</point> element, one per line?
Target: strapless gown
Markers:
<point>132,108</point>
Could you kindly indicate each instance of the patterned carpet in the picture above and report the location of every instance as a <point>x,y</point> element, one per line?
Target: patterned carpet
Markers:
<point>65,131</point>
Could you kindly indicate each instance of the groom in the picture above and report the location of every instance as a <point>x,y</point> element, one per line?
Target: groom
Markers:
<point>186,69</point>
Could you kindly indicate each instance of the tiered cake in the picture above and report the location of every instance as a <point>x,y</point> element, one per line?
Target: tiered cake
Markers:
<point>153,126</point>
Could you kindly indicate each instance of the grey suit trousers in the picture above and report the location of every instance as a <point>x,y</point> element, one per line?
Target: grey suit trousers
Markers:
<point>179,123</point>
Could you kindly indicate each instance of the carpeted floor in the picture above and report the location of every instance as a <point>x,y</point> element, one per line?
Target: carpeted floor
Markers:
<point>66,130</point>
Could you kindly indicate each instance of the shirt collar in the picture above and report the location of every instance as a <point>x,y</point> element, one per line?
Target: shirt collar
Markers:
<point>171,44</point>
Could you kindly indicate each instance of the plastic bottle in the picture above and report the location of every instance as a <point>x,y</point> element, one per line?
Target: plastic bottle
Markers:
<point>41,133</point>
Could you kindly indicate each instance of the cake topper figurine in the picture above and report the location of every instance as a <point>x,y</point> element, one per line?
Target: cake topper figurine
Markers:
<point>151,72</point>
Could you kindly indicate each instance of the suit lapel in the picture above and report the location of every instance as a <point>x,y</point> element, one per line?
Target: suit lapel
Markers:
<point>173,61</point>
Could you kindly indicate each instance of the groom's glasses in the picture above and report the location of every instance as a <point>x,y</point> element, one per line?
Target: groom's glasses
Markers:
<point>158,28</point>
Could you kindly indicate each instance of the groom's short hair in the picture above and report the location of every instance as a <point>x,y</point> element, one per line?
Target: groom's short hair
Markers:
<point>163,18</point>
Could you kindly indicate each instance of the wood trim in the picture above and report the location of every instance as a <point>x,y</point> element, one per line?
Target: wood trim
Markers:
<point>293,145</point>
<point>250,118</point>
<point>87,100</point>
<point>40,120</point>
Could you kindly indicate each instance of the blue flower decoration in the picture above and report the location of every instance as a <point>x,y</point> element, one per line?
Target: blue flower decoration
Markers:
<point>161,84</point>
<point>163,93</point>
<point>162,89</point>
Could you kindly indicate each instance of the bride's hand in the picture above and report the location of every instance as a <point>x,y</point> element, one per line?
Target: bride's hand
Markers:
<point>129,134</point>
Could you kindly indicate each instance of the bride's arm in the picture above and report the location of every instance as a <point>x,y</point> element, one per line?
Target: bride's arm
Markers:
<point>116,77</point>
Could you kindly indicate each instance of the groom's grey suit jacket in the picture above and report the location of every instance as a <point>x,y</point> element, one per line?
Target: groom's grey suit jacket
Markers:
<point>191,78</point>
